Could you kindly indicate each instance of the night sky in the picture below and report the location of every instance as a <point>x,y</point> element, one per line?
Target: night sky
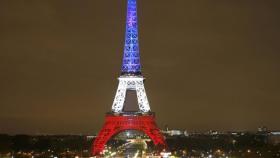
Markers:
<point>209,64</point>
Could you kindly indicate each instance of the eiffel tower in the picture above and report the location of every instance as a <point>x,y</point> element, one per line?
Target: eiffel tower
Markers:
<point>126,114</point>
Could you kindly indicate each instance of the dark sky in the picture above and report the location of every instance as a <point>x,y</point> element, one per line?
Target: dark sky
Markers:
<point>209,64</point>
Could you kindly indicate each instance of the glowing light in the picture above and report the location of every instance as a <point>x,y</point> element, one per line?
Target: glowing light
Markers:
<point>165,154</point>
<point>113,154</point>
<point>136,154</point>
<point>127,134</point>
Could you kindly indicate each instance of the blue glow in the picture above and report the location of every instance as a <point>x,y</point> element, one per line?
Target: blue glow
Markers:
<point>131,59</point>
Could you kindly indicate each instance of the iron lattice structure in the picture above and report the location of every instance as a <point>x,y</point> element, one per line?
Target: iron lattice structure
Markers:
<point>131,57</point>
<point>135,83</point>
<point>116,124</point>
<point>131,79</point>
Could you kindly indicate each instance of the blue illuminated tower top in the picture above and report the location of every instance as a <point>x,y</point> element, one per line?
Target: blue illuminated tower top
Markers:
<point>131,57</point>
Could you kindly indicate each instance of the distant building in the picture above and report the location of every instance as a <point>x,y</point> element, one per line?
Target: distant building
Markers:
<point>274,137</point>
<point>90,137</point>
<point>262,129</point>
<point>212,132</point>
<point>174,132</point>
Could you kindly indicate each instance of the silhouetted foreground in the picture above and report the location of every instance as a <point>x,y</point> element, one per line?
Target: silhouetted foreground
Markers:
<point>195,145</point>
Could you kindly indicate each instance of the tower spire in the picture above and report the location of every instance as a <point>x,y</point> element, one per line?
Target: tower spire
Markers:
<point>131,57</point>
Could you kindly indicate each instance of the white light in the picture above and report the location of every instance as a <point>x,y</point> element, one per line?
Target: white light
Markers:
<point>131,83</point>
<point>165,154</point>
<point>136,154</point>
<point>113,154</point>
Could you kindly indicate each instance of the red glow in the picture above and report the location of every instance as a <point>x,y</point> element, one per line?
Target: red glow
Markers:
<point>116,124</point>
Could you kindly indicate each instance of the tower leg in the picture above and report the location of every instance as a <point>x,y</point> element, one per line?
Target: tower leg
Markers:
<point>116,124</point>
<point>142,97</point>
<point>120,96</point>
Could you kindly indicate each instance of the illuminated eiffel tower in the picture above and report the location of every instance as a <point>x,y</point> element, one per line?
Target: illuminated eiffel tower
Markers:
<point>131,83</point>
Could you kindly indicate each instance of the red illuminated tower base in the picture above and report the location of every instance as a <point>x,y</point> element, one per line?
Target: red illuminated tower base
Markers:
<point>115,124</point>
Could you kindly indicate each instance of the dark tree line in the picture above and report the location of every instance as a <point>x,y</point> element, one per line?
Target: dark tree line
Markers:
<point>42,143</point>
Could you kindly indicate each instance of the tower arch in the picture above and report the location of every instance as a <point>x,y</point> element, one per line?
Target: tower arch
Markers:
<point>116,124</point>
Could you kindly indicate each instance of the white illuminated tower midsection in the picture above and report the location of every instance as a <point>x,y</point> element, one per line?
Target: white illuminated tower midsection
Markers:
<point>134,83</point>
